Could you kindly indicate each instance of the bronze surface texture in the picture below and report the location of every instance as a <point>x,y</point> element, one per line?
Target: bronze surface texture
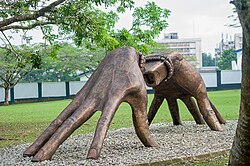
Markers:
<point>172,78</point>
<point>117,79</point>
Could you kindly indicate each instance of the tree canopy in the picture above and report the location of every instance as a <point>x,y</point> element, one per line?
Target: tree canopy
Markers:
<point>69,63</point>
<point>83,21</point>
<point>207,60</point>
<point>14,65</point>
<point>225,61</point>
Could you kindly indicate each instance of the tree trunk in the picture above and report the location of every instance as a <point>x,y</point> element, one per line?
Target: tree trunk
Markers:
<point>6,95</point>
<point>240,151</point>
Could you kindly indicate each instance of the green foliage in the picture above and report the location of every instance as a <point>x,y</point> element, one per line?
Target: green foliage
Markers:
<point>207,60</point>
<point>225,61</point>
<point>84,22</point>
<point>147,24</point>
<point>69,62</point>
<point>152,16</point>
<point>16,64</point>
<point>90,25</point>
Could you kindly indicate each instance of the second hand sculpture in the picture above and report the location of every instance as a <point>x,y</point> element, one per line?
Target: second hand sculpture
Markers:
<point>174,78</point>
<point>117,79</point>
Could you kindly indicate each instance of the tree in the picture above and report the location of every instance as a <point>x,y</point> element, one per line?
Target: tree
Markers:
<point>151,19</point>
<point>83,21</point>
<point>225,61</point>
<point>207,60</point>
<point>240,152</point>
<point>67,65</point>
<point>80,21</point>
<point>14,67</point>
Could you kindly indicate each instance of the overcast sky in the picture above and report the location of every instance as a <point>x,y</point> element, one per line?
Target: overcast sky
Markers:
<point>205,19</point>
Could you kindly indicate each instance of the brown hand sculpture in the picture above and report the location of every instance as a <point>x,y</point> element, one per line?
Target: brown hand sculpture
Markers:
<point>174,78</point>
<point>117,79</point>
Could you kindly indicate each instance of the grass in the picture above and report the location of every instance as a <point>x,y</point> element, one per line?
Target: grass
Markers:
<point>217,161</point>
<point>22,123</point>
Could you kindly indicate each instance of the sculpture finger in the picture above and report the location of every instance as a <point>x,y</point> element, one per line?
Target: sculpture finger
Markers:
<point>102,128</point>
<point>156,103</point>
<point>141,126</point>
<point>193,109</point>
<point>138,104</point>
<point>209,114</point>
<point>217,113</point>
<point>81,115</point>
<point>50,130</point>
<point>174,111</point>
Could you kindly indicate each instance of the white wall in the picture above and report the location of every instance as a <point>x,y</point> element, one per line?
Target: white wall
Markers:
<point>26,90</point>
<point>75,86</point>
<point>1,94</point>
<point>210,79</point>
<point>53,89</point>
<point>230,76</point>
<point>58,89</point>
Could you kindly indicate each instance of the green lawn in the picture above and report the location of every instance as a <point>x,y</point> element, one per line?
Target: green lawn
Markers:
<point>22,123</point>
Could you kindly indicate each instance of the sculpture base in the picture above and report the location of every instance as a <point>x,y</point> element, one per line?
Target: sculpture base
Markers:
<point>122,147</point>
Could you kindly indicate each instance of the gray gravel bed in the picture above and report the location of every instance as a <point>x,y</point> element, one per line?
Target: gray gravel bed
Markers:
<point>122,146</point>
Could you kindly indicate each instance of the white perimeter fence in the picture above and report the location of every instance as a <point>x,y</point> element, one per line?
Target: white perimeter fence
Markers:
<point>214,80</point>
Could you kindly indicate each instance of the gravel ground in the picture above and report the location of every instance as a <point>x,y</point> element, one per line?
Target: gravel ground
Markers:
<point>122,147</point>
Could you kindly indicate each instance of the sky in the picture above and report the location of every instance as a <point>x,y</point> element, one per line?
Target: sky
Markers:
<point>205,19</point>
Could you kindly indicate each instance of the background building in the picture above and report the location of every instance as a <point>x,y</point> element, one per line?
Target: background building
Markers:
<point>190,48</point>
<point>238,38</point>
<point>234,44</point>
<point>228,43</point>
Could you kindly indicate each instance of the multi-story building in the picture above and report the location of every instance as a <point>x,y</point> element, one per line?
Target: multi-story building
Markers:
<point>226,44</point>
<point>190,48</point>
<point>235,44</point>
<point>238,38</point>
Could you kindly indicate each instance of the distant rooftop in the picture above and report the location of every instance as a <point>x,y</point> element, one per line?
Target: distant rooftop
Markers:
<point>173,37</point>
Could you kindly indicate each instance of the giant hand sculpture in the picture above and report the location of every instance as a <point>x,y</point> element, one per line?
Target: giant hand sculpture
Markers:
<point>118,78</point>
<point>174,78</point>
